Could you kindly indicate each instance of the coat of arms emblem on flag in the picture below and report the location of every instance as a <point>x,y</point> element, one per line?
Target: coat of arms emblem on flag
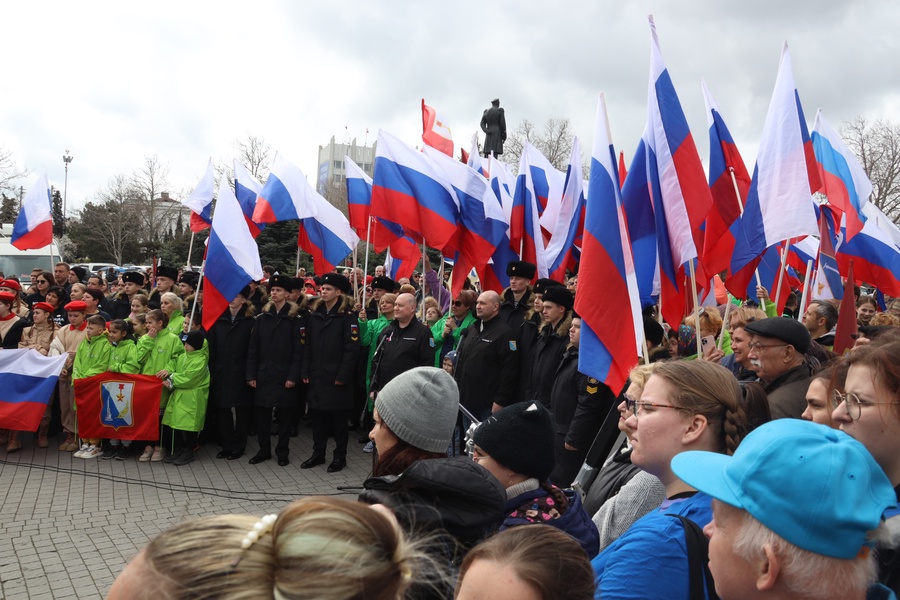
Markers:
<point>116,407</point>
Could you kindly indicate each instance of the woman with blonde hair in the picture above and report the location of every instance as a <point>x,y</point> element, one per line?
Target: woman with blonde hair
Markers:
<point>322,548</point>
<point>171,304</point>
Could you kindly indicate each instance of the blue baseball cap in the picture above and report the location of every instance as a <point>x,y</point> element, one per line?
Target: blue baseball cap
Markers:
<point>816,487</point>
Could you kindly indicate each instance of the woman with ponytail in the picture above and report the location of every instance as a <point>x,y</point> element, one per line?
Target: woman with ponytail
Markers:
<point>684,405</point>
<point>322,548</point>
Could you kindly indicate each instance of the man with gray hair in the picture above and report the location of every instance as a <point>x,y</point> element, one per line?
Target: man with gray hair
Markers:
<point>820,319</point>
<point>795,513</point>
<point>487,367</point>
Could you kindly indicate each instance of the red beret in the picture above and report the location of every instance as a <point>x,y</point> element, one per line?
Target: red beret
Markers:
<point>43,306</point>
<point>7,297</point>
<point>76,306</point>
<point>11,284</point>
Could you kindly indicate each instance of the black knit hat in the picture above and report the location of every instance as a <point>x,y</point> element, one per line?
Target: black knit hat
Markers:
<point>520,437</point>
<point>194,338</point>
<point>559,295</point>
<point>80,272</point>
<point>338,281</point>
<point>542,285</point>
<point>520,268</point>
<point>166,271</point>
<point>283,281</point>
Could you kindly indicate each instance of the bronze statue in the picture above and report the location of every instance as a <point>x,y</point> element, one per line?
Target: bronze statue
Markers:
<point>493,124</point>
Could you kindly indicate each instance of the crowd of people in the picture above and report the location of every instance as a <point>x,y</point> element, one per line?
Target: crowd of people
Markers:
<point>746,457</point>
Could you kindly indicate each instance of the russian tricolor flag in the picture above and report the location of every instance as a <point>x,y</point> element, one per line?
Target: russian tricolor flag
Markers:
<point>328,236</point>
<point>246,190</point>
<point>398,267</point>
<point>286,195</point>
<point>874,252</point>
<point>844,181</point>
<point>232,257</point>
<point>493,276</point>
<point>638,207</point>
<point>729,183</point>
<point>27,380</point>
<point>610,338</point>
<point>407,191</point>
<point>563,250</point>
<point>680,193</point>
<point>359,203</point>
<point>525,234</point>
<point>779,202</point>
<point>200,201</point>
<point>34,225</point>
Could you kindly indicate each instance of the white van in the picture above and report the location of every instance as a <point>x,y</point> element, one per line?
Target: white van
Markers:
<point>21,262</point>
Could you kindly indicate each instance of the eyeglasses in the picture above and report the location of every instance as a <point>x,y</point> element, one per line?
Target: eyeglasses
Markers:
<point>457,303</point>
<point>756,346</point>
<point>853,402</point>
<point>635,405</point>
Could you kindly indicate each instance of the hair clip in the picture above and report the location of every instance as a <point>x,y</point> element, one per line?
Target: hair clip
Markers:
<point>261,528</point>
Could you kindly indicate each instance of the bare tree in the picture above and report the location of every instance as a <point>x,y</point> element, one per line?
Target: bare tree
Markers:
<point>877,146</point>
<point>9,171</point>
<point>254,152</point>
<point>108,223</point>
<point>554,141</point>
<point>154,210</point>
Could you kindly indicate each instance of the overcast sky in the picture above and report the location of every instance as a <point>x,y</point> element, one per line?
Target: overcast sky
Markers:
<point>113,82</point>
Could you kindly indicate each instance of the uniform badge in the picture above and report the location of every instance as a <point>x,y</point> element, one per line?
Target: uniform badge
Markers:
<point>116,407</point>
<point>354,332</point>
<point>431,342</point>
<point>592,386</point>
<point>512,345</point>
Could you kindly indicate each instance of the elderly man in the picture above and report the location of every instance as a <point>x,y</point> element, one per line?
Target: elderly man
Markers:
<point>793,513</point>
<point>405,344</point>
<point>487,365</point>
<point>778,355</point>
<point>820,319</point>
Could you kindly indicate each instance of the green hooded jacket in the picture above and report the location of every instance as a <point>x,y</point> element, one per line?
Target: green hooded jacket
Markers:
<point>176,323</point>
<point>92,357</point>
<point>156,354</point>
<point>437,330</point>
<point>186,410</point>
<point>369,337</point>
<point>123,358</point>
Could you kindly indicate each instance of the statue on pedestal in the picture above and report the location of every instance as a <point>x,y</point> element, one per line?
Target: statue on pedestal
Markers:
<point>493,124</point>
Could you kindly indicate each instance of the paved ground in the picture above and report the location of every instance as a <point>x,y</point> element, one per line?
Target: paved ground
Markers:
<point>68,526</point>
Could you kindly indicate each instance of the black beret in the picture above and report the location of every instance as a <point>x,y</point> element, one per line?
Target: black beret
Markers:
<point>338,281</point>
<point>520,268</point>
<point>283,281</point>
<point>133,277</point>
<point>382,282</point>
<point>541,285</point>
<point>787,330</point>
<point>558,294</point>
<point>166,271</point>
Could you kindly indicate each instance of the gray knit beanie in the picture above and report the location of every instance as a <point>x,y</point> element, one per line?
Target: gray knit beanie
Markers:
<point>420,407</point>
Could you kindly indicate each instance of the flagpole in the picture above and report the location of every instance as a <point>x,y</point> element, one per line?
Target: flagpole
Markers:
<point>297,262</point>
<point>696,306</point>
<point>737,194</point>
<point>197,293</point>
<point>366,261</point>
<point>190,249</point>
<point>355,276</point>
<point>784,253</point>
<point>805,297</point>
<point>423,279</point>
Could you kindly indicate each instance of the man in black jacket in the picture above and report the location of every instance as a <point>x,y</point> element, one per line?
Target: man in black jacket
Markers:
<point>403,345</point>
<point>487,364</point>
<point>332,346</point>
<point>517,298</point>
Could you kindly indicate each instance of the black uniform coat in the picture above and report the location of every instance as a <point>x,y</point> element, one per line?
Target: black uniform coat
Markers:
<point>229,347</point>
<point>493,124</point>
<point>545,356</point>
<point>514,314</point>
<point>274,356</point>
<point>401,349</point>
<point>487,365</point>
<point>118,306</point>
<point>332,346</point>
<point>579,405</point>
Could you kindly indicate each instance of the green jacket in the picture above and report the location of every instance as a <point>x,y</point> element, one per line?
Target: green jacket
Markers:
<point>92,357</point>
<point>437,330</point>
<point>369,332</point>
<point>176,323</point>
<point>123,358</point>
<point>186,410</point>
<point>156,354</point>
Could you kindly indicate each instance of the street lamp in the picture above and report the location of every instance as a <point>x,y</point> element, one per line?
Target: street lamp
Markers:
<point>67,158</point>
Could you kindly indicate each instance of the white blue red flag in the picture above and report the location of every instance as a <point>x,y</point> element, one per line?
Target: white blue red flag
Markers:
<point>680,192</point>
<point>232,257</point>
<point>874,252</point>
<point>564,248</point>
<point>435,132</point>
<point>611,330</point>
<point>638,207</point>
<point>286,195</point>
<point>328,236</point>
<point>503,184</point>
<point>407,191</point>
<point>779,202</point>
<point>27,381</point>
<point>398,267</point>
<point>200,201</point>
<point>246,190</point>
<point>475,160</point>
<point>359,196</point>
<point>525,235</point>
<point>729,183</point>
<point>844,181</point>
<point>34,225</point>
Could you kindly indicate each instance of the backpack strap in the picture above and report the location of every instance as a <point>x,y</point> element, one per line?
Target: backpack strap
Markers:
<point>698,560</point>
